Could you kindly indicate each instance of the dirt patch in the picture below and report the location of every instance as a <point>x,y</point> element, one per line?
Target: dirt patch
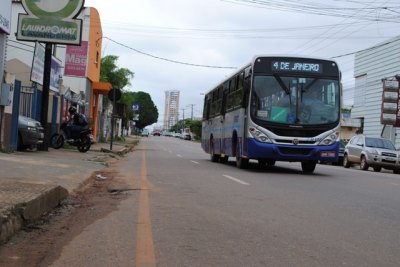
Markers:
<point>36,244</point>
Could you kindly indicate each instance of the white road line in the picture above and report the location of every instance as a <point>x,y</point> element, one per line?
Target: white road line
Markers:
<point>195,162</point>
<point>235,179</point>
<point>178,155</point>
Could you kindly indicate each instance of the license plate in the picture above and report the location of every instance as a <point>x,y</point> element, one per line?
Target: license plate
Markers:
<point>328,154</point>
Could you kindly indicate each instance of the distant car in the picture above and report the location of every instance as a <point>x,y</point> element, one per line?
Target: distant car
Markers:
<point>30,133</point>
<point>186,136</point>
<point>156,133</point>
<point>145,133</point>
<point>375,152</point>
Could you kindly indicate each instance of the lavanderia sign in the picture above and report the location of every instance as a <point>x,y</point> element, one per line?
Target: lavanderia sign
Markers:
<point>51,21</point>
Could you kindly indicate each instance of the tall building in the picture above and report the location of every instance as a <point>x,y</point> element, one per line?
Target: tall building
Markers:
<point>171,112</point>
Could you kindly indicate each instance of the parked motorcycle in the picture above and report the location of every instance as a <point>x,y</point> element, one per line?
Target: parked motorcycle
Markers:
<point>83,141</point>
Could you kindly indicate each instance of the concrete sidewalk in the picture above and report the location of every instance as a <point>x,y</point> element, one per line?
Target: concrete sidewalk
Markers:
<point>34,182</point>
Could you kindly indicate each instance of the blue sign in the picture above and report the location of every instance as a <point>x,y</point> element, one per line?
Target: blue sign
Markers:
<point>135,107</point>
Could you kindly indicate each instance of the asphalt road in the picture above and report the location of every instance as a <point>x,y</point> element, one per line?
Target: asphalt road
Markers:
<point>187,211</point>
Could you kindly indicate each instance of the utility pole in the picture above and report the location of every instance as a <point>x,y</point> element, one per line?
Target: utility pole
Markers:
<point>192,105</point>
<point>183,120</point>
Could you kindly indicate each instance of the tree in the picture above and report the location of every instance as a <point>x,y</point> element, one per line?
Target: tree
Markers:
<point>109,72</point>
<point>148,112</point>
<point>118,77</point>
<point>195,127</point>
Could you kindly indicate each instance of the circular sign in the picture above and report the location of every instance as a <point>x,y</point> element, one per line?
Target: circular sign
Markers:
<point>115,92</point>
<point>51,8</point>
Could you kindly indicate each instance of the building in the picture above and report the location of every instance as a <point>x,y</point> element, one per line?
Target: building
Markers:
<point>373,65</point>
<point>171,111</point>
<point>76,81</point>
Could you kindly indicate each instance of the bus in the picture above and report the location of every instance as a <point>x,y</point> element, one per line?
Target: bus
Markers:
<point>276,108</point>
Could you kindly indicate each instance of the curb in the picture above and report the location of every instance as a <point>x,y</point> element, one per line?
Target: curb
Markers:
<point>32,203</point>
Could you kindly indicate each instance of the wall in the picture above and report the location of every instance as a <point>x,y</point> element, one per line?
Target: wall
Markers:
<point>371,66</point>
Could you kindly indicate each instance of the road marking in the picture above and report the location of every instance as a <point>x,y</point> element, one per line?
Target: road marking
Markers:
<point>235,179</point>
<point>145,256</point>
<point>179,155</point>
<point>195,162</point>
<point>395,184</point>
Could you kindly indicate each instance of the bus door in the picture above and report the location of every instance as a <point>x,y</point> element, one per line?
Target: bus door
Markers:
<point>245,104</point>
<point>224,123</point>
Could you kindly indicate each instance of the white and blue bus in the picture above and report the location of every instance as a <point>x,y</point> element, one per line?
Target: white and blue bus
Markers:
<point>276,108</point>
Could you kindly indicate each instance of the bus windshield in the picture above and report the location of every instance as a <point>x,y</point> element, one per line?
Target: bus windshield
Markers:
<point>295,100</point>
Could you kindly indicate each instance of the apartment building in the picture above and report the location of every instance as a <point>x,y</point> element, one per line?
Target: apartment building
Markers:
<point>171,111</point>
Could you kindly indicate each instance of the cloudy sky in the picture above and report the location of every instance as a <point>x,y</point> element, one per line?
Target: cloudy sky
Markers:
<point>191,45</point>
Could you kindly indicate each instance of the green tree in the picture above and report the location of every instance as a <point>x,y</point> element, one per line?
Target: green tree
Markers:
<point>118,77</point>
<point>195,127</point>
<point>148,112</point>
<point>109,72</point>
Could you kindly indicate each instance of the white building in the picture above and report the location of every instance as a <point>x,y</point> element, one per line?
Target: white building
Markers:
<point>171,111</point>
<point>372,65</point>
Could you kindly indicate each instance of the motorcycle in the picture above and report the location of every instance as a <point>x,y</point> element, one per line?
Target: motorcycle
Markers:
<point>83,141</point>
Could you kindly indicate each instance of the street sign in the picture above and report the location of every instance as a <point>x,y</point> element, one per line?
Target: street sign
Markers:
<point>116,93</point>
<point>135,107</point>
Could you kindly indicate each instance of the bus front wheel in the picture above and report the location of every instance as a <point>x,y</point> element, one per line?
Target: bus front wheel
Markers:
<point>308,166</point>
<point>241,162</point>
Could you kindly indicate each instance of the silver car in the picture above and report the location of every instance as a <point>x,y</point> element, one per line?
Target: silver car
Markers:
<point>30,133</point>
<point>375,152</point>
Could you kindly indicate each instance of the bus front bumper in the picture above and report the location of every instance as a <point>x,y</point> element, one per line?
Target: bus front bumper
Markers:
<point>280,152</point>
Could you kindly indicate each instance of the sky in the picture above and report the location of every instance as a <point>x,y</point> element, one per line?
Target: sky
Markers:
<point>192,45</point>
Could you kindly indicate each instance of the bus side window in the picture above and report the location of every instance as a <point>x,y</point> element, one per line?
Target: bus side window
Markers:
<point>237,94</point>
<point>245,90</point>
<point>206,109</point>
<point>230,101</point>
<point>224,92</point>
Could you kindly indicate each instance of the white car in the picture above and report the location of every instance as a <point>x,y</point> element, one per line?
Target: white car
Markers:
<point>145,133</point>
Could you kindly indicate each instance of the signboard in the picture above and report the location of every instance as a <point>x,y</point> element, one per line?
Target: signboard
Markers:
<point>291,66</point>
<point>38,68</point>
<point>390,113</point>
<point>50,21</point>
<point>5,16</point>
<point>76,60</point>
<point>114,93</point>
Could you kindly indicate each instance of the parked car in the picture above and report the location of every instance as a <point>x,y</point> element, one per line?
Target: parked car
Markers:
<point>145,133</point>
<point>342,146</point>
<point>375,152</point>
<point>30,133</point>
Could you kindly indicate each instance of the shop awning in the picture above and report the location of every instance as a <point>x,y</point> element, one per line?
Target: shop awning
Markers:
<point>101,87</point>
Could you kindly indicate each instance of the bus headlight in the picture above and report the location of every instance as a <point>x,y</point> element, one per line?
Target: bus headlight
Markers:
<point>259,136</point>
<point>329,140</point>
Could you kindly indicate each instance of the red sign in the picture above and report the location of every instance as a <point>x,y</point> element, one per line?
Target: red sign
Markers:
<point>76,60</point>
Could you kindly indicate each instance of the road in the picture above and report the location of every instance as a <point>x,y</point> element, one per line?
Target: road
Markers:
<point>184,210</point>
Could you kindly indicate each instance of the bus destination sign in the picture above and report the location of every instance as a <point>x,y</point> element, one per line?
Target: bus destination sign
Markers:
<point>292,66</point>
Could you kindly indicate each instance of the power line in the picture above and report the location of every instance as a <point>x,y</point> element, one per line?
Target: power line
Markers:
<point>325,10</point>
<point>376,46</point>
<point>168,60</point>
